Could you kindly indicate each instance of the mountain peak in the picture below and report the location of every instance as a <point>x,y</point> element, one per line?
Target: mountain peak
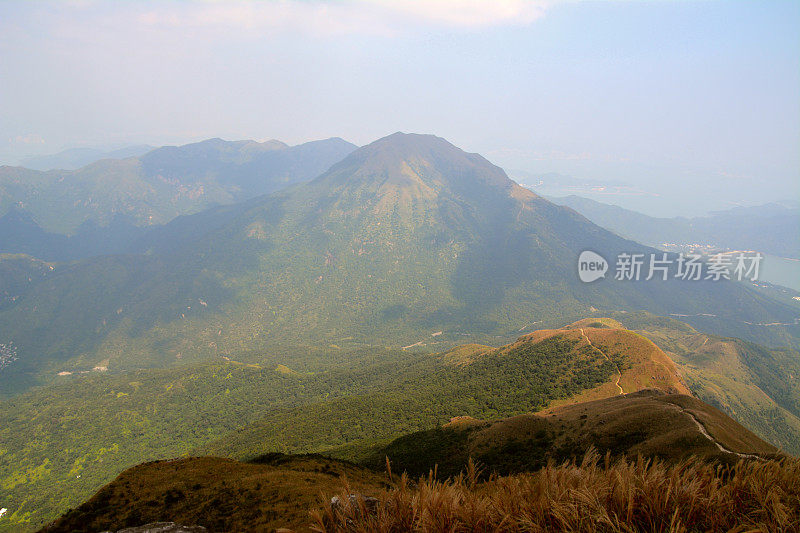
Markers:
<point>407,165</point>
<point>415,144</point>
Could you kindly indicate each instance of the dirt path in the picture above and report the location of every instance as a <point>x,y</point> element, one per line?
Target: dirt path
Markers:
<point>420,343</point>
<point>706,434</point>
<point>619,374</point>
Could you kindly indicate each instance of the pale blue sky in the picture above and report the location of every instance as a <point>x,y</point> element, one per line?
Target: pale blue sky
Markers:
<point>704,93</point>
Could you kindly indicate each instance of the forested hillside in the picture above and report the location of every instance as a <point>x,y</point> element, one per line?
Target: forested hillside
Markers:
<point>403,239</point>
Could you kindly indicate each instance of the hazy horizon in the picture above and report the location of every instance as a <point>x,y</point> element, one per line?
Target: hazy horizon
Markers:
<point>696,97</point>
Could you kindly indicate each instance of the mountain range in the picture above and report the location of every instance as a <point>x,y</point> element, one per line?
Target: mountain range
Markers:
<point>406,235</point>
<point>772,228</point>
<point>75,158</point>
<point>154,187</point>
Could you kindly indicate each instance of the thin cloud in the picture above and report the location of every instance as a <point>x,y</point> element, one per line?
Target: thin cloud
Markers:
<point>383,17</point>
<point>470,13</point>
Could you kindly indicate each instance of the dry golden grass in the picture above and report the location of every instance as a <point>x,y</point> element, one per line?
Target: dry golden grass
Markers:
<point>647,366</point>
<point>592,496</point>
<point>219,494</point>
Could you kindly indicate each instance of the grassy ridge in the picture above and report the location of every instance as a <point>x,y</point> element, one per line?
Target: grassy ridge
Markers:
<point>757,386</point>
<point>649,423</point>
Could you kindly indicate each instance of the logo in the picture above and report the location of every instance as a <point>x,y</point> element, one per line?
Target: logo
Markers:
<point>591,266</point>
<point>739,266</point>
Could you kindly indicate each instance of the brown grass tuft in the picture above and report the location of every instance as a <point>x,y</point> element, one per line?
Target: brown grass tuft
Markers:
<point>594,495</point>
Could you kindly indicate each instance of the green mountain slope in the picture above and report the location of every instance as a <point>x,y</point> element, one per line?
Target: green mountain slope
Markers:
<point>19,233</point>
<point>406,235</point>
<point>521,377</point>
<point>18,274</point>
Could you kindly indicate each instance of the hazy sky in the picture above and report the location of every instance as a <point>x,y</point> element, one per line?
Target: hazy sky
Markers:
<point>705,93</point>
